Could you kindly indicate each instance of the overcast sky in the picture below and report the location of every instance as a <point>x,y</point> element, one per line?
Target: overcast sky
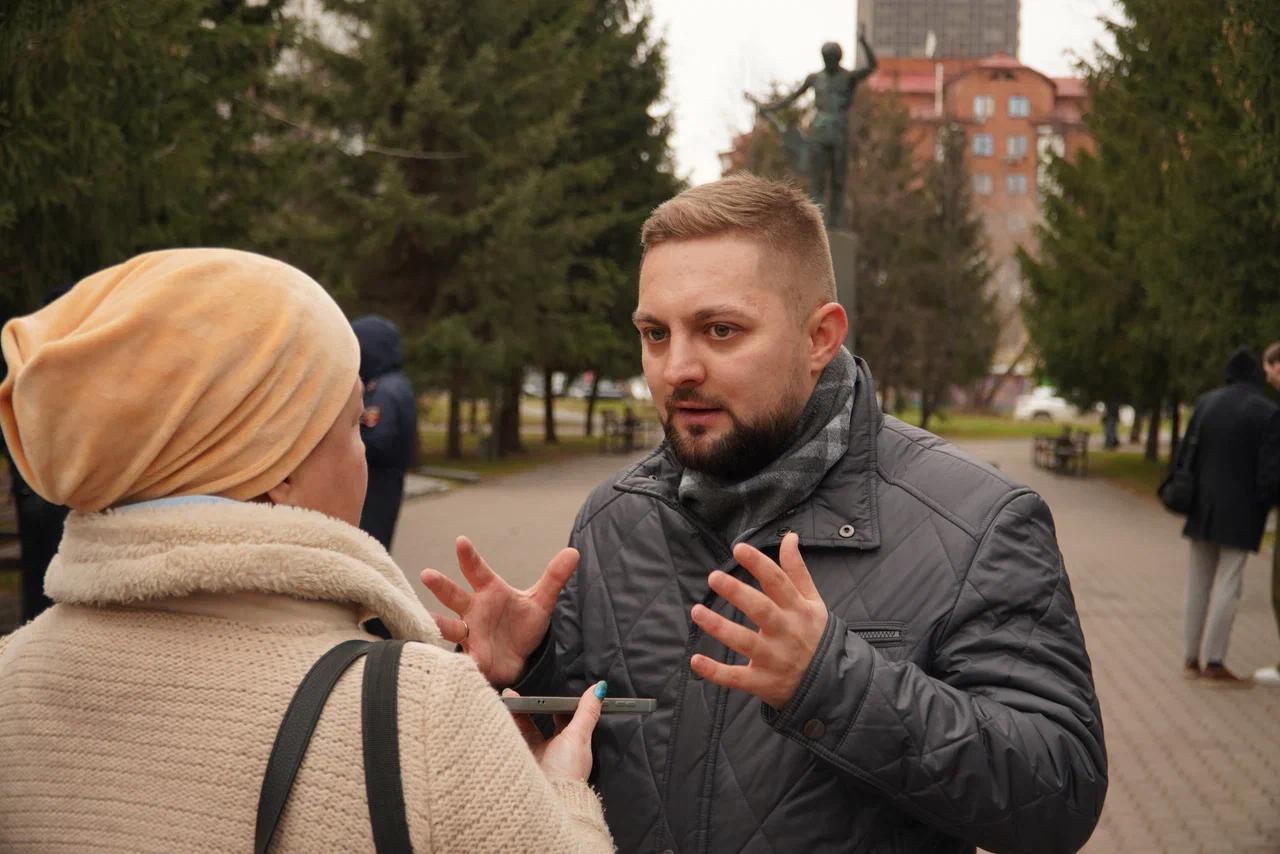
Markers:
<point>716,49</point>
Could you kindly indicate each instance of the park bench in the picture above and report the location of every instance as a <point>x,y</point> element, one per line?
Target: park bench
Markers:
<point>622,435</point>
<point>1065,453</point>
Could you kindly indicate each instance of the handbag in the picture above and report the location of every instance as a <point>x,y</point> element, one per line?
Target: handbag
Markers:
<point>1177,491</point>
<point>380,739</point>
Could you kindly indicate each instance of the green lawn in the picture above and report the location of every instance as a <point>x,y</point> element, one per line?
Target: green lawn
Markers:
<point>951,425</point>
<point>966,425</point>
<point>536,453</point>
<point>434,411</point>
<point>1128,469</point>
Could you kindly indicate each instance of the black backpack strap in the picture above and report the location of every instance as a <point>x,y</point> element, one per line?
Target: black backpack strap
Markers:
<point>380,726</point>
<point>295,734</point>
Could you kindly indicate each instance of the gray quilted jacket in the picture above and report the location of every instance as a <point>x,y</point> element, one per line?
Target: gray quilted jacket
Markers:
<point>951,702</point>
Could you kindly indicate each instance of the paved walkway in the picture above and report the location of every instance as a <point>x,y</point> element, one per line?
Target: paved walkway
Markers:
<point>1192,768</point>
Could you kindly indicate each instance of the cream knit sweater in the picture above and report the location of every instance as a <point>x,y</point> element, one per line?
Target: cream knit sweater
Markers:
<point>137,714</point>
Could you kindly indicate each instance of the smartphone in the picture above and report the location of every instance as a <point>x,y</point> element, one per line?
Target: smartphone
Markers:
<point>558,705</point>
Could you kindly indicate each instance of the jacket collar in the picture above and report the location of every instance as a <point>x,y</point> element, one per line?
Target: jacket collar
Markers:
<point>842,512</point>
<point>151,556</point>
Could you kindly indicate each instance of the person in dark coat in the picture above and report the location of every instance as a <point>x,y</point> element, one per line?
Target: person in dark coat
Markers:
<point>1270,676</point>
<point>40,525</point>
<point>859,637</point>
<point>39,533</point>
<point>390,424</point>
<point>1231,439</point>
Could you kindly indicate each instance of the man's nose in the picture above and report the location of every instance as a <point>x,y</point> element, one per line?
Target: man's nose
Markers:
<point>684,365</point>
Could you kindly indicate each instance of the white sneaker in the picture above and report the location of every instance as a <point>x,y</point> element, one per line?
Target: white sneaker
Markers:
<point>1267,676</point>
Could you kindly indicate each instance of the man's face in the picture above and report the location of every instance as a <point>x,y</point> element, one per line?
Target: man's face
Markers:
<point>1272,370</point>
<point>725,358</point>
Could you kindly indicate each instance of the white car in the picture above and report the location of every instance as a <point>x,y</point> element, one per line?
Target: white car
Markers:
<point>1043,404</point>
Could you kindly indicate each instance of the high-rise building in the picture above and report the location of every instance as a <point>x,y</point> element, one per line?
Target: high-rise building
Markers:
<point>975,28</point>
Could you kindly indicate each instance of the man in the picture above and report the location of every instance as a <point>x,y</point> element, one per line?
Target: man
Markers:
<point>914,680</point>
<point>1231,453</point>
<point>1271,369</point>
<point>389,426</point>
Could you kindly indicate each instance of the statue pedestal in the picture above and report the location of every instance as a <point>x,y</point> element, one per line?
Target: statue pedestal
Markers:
<point>844,256</point>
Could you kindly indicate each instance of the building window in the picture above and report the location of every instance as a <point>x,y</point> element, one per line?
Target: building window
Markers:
<point>1016,146</point>
<point>983,146</point>
<point>1019,106</point>
<point>1015,184</point>
<point>982,184</point>
<point>983,106</point>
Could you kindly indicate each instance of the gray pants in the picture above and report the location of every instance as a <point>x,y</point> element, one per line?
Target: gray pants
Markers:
<point>1214,569</point>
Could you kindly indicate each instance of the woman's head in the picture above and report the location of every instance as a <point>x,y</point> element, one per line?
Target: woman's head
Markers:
<point>333,478</point>
<point>183,372</point>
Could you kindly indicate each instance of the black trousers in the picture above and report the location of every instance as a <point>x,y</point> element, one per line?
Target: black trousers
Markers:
<point>382,504</point>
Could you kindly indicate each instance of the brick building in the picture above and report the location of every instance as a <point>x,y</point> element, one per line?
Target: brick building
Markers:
<point>1013,117</point>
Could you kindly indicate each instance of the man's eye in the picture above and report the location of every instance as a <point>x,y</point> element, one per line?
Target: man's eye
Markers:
<point>654,336</point>
<point>720,330</point>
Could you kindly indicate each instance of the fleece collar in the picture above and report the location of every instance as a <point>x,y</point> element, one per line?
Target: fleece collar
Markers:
<point>149,554</point>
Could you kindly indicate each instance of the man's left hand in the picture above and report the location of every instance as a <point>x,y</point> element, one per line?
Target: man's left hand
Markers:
<point>791,617</point>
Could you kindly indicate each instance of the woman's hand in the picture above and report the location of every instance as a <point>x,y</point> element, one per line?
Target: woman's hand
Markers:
<point>566,756</point>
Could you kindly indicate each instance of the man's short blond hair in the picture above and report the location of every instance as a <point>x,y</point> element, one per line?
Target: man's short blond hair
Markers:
<point>1272,354</point>
<point>776,213</point>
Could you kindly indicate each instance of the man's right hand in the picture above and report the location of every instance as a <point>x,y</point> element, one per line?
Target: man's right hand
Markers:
<point>497,625</point>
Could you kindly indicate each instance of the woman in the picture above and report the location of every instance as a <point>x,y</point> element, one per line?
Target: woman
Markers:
<point>199,409</point>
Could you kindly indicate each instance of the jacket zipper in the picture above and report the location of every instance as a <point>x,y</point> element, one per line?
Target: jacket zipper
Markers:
<point>878,635</point>
<point>726,563</point>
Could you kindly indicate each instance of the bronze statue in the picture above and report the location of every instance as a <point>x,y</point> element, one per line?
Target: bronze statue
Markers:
<point>824,154</point>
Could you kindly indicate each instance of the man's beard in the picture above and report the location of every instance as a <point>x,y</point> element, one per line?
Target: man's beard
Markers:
<point>747,448</point>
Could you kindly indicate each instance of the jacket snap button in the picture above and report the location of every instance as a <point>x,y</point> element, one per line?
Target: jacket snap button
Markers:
<point>846,531</point>
<point>782,532</point>
<point>814,729</point>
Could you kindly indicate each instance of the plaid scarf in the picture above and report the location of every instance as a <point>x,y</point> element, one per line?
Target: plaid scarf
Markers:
<point>737,509</point>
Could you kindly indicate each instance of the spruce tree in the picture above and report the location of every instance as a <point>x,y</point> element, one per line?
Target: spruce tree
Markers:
<point>952,312</point>
<point>450,204</point>
<point>1162,252</point>
<point>126,127</point>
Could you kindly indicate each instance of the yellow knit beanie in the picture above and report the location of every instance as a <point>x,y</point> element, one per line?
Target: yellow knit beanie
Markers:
<point>181,372</point>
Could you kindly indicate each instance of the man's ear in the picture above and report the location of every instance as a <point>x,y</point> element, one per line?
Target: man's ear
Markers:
<point>827,328</point>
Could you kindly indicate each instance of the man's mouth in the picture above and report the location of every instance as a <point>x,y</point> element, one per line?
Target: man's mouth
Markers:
<point>693,415</point>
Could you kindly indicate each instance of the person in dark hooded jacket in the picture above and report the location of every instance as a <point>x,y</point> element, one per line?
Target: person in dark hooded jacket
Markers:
<point>390,424</point>
<point>1229,448</point>
<point>40,524</point>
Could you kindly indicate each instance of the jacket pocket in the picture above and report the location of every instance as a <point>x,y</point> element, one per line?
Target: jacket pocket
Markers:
<point>882,633</point>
